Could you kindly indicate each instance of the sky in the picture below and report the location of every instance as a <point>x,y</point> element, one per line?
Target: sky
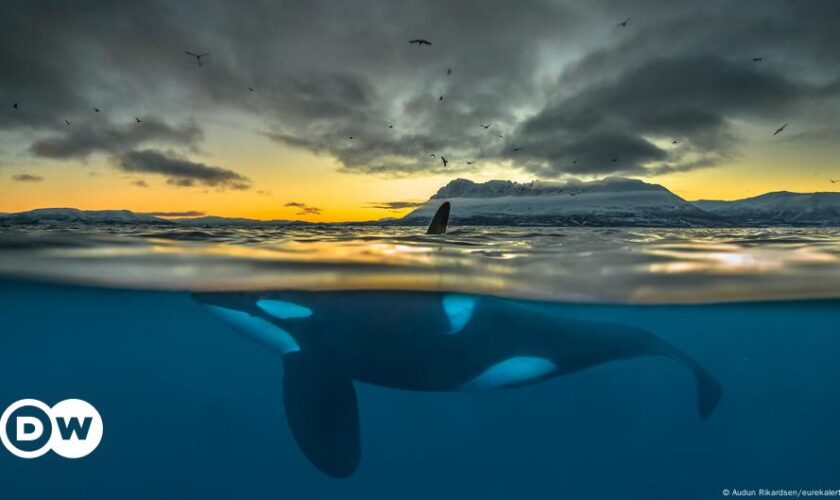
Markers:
<point>323,110</point>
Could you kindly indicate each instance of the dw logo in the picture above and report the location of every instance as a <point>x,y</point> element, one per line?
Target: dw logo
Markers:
<point>71,428</point>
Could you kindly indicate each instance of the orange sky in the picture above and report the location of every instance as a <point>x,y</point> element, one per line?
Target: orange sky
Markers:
<point>282,174</point>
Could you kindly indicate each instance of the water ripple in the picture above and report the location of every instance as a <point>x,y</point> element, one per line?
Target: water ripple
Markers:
<point>569,264</point>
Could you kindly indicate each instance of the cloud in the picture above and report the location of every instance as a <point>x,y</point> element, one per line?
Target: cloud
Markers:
<point>188,213</point>
<point>614,126</point>
<point>304,209</point>
<point>181,171</point>
<point>82,140</point>
<point>554,77</point>
<point>27,178</point>
<point>395,205</point>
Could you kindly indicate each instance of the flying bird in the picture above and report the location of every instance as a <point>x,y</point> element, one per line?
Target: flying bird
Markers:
<point>623,24</point>
<point>757,59</point>
<point>432,155</point>
<point>834,181</point>
<point>390,126</point>
<point>66,121</point>
<point>615,160</point>
<point>15,105</point>
<point>440,98</point>
<point>138,120</point>
<point>470,162</point>
<point>449,71</point>
<point>574,162</point>
<point>444,160</point>
<point>779,130</point>
<point>517,149</point>
<point>96,109</point>
<point>420,42</point>
<point>675,142</point>
<point>351,137</point>
<point>197,56</point>
<point>486,126</point>
<point>250,89</point>
<point>500,136</point>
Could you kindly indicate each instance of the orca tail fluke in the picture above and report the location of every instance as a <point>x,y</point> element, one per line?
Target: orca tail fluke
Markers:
<point>709,390</point>
<point>323,415</point>
<point>440,220</point>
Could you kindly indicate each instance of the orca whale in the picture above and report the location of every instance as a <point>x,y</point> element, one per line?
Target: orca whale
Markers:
<point>418,341</point>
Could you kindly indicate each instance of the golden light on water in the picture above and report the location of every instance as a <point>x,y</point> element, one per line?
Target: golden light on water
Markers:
<point>579,265</point>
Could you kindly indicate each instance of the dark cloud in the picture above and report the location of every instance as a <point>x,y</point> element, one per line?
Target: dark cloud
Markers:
<point>27,178</point>
<point>692,99</point>
<point>554,77</point>
<point>395,205</point>
<point>303,208</point>
<point>180,171</point>
<point>81,140</point>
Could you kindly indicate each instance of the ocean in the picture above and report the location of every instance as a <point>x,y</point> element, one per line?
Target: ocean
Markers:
<point>192,408</point>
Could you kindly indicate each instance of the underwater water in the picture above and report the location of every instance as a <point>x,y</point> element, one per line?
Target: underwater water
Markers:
<point>194,409</point>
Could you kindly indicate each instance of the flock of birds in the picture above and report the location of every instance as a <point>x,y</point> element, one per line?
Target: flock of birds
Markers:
<point>623,24</point>
<point>420,42</point>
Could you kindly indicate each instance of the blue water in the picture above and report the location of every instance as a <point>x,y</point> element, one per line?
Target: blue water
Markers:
<point>194,410</point>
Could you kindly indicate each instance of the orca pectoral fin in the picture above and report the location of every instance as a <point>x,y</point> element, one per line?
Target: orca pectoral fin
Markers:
<point>323,415</point>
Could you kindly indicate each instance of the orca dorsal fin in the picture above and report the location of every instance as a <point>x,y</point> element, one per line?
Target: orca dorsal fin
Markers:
<point>440,220</point>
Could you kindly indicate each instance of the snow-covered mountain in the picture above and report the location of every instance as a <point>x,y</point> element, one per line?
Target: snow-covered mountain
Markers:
<point>74,215</point>
<point>781,207</point>
<point>609,202</point>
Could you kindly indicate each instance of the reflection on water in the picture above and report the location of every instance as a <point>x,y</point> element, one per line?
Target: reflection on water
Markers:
<point>579,264</point>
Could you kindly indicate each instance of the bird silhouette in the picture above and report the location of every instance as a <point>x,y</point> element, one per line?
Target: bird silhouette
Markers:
<point>757,59</point>
<point>15,105</point>
<point>500,136</point>
<point>623,24</point>
<point>67,122</point>
<point>675,142</point>
<point>432,155</point>
<point>197,56</point>
<point>486,126</point>
<point>615,160</point>
<point>440,98</point>
<point>250,89</point>
<point>574,162</point>
<point>390,126</point>
<point>138,120</point>
<point>96,110</point>
<point>351,137</point>
<point>780,129</point>
<point>470,162</point>
<point>834,181</point>
<point>449,71</point>
<point>420,42</point>
<point>517,149</point>
<point>444,160</point>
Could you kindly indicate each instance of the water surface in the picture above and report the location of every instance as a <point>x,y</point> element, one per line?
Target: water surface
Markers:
<point>192,409</point>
